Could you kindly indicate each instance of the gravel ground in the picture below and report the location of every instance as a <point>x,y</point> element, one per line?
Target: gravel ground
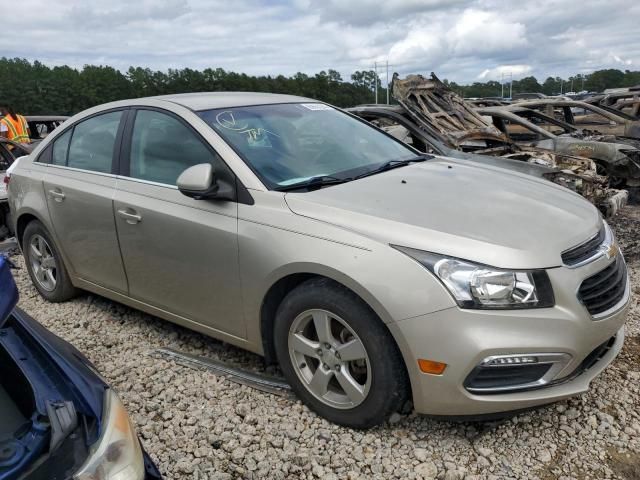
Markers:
<point>196,425</point>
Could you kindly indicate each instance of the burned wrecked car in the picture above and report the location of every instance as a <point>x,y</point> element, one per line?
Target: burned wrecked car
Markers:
<point>443,114</point>
<point>394,120</point>
<point>626,100</point>
<point>487,102</point>
<point>590,118</point>
<point>621,162</point>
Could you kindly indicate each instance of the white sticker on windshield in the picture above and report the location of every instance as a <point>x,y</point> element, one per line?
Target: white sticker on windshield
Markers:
<point>317,106</point>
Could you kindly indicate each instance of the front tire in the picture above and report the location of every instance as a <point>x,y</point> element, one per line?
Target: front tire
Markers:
<point>45,265</point>
<point>338,356</point>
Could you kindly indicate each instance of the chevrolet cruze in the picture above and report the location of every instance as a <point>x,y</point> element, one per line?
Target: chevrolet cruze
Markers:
<point>373,274</point>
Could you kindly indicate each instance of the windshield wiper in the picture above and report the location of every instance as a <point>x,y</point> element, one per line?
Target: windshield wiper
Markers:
<point>314,182</point>
<point>391,164</point>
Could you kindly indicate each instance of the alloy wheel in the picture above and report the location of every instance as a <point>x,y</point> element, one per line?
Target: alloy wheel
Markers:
<point>329,359</point>
<point>43,263</point>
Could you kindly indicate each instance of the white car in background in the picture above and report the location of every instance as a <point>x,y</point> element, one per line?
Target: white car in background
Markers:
<point>4,202</point>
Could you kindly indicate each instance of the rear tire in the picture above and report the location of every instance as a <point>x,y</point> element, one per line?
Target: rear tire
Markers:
<point>45,265</point>
<point>338,356</point>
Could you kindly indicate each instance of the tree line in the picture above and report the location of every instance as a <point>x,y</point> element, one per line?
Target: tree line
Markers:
<point>34,88</point>
<point>594,82</point>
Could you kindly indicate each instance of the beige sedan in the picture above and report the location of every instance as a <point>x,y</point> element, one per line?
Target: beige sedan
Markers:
<point>374,275</point>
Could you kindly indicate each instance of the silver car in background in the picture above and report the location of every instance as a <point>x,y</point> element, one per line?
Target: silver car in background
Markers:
<point>374,274</point>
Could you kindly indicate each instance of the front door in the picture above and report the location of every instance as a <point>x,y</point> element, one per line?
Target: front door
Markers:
<point>79,188</point>
<point>180,254</point>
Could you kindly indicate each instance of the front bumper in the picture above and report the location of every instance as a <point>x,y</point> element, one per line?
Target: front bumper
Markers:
<point>464,338</point>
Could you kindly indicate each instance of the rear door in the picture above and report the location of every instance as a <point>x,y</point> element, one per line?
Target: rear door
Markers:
<point>79,186</point>
<point>180,254</point>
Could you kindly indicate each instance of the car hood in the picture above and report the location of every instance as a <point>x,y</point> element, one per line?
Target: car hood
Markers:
<point>484,214</point>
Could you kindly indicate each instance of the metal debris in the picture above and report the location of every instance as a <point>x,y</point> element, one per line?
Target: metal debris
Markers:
<point>264,383</point>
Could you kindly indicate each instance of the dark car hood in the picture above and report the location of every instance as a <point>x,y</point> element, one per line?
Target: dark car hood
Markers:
<point>485,214</point>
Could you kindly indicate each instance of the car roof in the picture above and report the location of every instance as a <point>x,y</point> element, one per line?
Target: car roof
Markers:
<point>45,118</point>
<point>210,100</point>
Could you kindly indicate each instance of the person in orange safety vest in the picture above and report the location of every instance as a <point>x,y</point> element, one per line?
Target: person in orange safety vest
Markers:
<point>13,126</point>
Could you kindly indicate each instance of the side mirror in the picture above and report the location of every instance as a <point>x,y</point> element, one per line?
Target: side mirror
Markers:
<point>200,182</point>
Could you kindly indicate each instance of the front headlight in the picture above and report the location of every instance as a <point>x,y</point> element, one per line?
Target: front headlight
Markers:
<point>117,455</point>
<point>479,286</point>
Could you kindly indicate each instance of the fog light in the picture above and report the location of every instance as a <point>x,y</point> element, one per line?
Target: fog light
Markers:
<point>512,372</point>
<point>517,360</point>
<point>431,366</point>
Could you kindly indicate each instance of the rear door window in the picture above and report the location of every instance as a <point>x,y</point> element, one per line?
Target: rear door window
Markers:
<point>93,143</point>
<point>60,147</point>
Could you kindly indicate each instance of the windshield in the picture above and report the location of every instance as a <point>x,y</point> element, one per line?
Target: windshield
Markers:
<point>286,144</point>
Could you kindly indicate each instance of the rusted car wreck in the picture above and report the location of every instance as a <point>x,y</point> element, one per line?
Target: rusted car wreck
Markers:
<point>624,99</point>
<point>438,110</point>
<point>601,123</point>
<point>620,161</point>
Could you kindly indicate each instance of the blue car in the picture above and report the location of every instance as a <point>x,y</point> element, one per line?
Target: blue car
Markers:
<point>59,420</point>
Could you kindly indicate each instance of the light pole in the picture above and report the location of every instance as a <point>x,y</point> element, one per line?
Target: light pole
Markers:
<point>511,85</point>
<point>387,81</point>
<point>375,67</point>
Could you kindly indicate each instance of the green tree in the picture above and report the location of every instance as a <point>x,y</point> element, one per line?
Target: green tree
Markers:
<point>35,88</point>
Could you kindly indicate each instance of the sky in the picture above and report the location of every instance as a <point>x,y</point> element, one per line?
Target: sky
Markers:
<point>460,40</point>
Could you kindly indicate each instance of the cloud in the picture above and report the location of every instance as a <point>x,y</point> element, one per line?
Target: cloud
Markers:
<point>461,40</point>
<point>504,71</point>
<point>368,12</point>
<point>476,31</point>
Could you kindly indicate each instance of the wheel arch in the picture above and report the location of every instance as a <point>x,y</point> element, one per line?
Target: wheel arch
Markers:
<point>22,221</point>
<point>287,281</point>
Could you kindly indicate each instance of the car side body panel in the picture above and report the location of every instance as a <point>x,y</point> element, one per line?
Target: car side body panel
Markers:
<point>182,256</point>
<point>298,244</point>
<point>81,211</point>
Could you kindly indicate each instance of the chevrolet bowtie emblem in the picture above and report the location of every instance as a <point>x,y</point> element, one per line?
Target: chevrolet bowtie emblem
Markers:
<point>612,250</point>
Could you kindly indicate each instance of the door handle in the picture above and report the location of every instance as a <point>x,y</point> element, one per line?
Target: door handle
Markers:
<point>57,195</point>
<point>130,216</point>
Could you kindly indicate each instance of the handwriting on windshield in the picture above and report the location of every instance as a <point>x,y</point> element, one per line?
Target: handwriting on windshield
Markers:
<point>255,135</point>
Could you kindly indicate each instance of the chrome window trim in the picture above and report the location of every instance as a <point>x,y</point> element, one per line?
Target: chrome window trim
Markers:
<point>558,362</point>
<point>110,175</point>
<point>79,170</point>
<point>147,182</point>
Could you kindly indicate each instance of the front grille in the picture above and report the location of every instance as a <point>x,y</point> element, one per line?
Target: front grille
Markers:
<point>583,251</point>
<point>605,289</point>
